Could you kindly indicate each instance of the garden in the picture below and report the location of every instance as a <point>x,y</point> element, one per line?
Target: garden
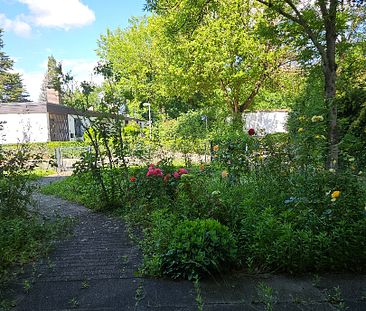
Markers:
<point>238,198</point>
<point>289,202</point>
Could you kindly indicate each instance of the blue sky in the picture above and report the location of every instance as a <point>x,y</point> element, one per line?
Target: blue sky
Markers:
<point>66,29</point>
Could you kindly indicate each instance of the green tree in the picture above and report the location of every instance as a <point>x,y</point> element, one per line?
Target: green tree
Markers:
<point>227,54</point>
<point>321,22</point>
<point>314,26</point>
<point>52,78</point>
<point>11,84</point>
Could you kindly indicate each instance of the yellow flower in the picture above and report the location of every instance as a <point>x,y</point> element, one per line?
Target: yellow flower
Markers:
<point>335,195</point>
<point>224,174</point>
<point>216,148</point>
<point>301,118</point>
<point>332,170</point>
<point>317,119</point>
<point>300,130</point>
<point>320,137</point>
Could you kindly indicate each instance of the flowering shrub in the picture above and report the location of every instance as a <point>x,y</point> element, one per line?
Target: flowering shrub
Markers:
<point>154,171</point>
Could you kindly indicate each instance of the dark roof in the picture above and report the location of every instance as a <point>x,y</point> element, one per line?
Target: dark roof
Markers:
<point>35,107</point>
<point>42,107</point>
<point>26,107</point>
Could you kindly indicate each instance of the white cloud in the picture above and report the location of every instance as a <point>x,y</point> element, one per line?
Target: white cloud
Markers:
<point>18,25</point>
<point>64,14</point>
<point>81,70</point>
<point>32,82</point>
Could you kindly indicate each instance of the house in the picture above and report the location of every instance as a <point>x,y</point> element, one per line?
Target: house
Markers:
<point>44,121</point>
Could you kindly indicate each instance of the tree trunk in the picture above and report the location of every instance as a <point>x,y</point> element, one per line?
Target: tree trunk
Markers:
<point>330,92</point>
<point>330,76</point>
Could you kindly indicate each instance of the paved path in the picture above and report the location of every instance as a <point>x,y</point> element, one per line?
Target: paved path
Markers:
<point>95,269</point>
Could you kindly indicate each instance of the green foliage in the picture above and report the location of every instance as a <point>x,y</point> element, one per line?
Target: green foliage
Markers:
<point>23,235</point>
<point>273,242</point>
<point>52,78</point>
<point>24,238</point>
<point>15,190</point>
<point>199,247</point>
<point>47,150</point>
<point>157,236</point>
<point>11,85</point>
<point>187,134</point>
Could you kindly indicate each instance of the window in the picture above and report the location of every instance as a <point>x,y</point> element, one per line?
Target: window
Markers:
<point>78,128</point>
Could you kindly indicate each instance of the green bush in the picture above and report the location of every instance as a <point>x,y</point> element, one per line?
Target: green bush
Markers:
<point>23,235</point>
<point>270,243</point>
<point>47,150</point>
<point>23,239</point>
<point>199,247</point>
<point>157,237</point>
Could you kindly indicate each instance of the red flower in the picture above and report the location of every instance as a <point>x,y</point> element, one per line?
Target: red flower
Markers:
<point>132,179</point>
<point>158,172</point>
<point>150,171</point>
<point>251,132</point>
<point>182,171</point>
<point>154,171</point>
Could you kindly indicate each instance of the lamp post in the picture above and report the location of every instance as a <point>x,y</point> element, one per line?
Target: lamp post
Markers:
<point>150,122</point>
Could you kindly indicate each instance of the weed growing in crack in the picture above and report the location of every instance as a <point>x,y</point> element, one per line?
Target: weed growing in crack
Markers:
<point>198,298</point>
<point>266,296</point>
<point>334,297</point>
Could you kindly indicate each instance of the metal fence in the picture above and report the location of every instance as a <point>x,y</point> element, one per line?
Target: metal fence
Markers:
<point>66,157</point>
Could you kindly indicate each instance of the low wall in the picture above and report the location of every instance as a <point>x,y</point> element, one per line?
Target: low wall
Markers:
<point>267,122</point>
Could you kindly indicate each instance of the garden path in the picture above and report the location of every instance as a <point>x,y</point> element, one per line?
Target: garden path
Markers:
<point>95,269</point>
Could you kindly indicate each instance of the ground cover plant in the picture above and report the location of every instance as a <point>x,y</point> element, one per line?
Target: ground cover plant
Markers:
<point>24,235</point>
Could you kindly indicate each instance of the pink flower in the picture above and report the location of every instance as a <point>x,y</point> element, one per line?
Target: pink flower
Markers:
<point>154,172</point>
<point>176,175</point>
<point>150,172</point>
<point>151,165</point>
<point>182,171</point>
<point>158,172</point>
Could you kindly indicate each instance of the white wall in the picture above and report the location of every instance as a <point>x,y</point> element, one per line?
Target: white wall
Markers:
<point>21,128</point>
<point>266,121</point>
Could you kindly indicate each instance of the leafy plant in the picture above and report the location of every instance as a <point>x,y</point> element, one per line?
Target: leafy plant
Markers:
<point>199,247</point>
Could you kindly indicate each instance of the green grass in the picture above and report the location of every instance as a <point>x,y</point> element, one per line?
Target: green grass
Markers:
<point>39,172</point>
<point>23,240</point>
<point>74,188</point>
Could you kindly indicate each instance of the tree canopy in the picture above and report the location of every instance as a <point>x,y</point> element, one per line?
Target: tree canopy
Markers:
<point>11,84</point>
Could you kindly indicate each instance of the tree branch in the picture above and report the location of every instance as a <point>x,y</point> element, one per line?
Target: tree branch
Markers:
<point>298,19</point>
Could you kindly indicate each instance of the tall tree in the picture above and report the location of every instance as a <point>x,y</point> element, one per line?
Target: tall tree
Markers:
<point>225,54</point>
<point>52,78</point>
<point>321,22</point>
<point>318,21</point>
<point>11,84</point>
